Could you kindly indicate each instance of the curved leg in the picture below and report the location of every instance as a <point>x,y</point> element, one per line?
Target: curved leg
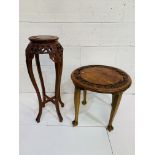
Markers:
<point>77,105</point>
<point>84,102</point>
<point>116,98</point>
<point>41,78</point>
<point>57,90</point>
<point>30,71</point>
<point>61,66</point>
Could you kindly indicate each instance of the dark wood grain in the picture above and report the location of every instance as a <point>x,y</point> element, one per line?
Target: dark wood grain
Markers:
<point>44,44</point>
<point>43,39</point>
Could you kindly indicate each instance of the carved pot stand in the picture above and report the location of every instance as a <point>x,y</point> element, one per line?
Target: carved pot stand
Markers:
<point>45,45</point>
<point>101,79</point>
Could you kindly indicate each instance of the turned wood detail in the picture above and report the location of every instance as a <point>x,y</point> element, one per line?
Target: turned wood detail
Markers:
<point>101,79</point>
<point>45,45</point>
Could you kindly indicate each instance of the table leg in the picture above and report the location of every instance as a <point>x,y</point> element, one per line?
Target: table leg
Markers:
<point>77,93</point>
<point>29,58</point>
<point>60,74</point>
<point>41,78</point>
<point>116,98</point>
<point>84,102</point>
<point>57,89</point>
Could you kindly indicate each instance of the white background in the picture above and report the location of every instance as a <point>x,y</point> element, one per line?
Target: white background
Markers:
<point>91,32</point>
<point>145,59</point>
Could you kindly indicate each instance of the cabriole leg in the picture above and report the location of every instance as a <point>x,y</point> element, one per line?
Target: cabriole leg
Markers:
<point>57,89</point>
<point>29,58</point>
<point>116,98</point>
<point>76,105</point>
<point>60,74</point>
<point>41,78</point>
<point>84,102</point>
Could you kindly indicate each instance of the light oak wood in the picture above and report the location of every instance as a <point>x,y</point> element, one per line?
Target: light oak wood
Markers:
<point>76,104</point>
<point>102,79</point>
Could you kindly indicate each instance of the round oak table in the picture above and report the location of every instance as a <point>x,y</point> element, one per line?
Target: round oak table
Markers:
<point>101,79</point>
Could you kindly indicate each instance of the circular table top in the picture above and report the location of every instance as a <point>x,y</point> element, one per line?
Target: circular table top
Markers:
<point>99,78</point>
<point>43,38</point>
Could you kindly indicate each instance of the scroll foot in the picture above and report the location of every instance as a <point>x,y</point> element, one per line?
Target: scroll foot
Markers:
<point>75,123</point>
<point>110,128</point>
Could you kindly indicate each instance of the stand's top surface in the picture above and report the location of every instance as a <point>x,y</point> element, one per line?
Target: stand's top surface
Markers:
<point>43,38</point>
<point>99,78</point>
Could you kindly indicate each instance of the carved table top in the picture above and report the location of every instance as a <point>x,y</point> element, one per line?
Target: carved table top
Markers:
<point>99,78</point>
<point>45,44</point>
<point>43,39</point>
